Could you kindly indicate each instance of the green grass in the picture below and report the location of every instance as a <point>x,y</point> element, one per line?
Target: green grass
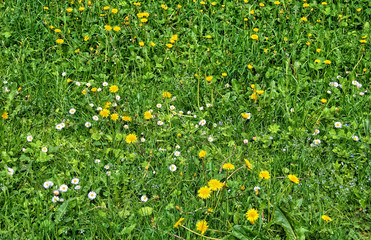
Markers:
<point>42,80</point>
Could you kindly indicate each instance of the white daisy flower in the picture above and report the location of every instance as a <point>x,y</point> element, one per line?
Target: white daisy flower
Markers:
<point>91,104</point>
<point>44,149</point>
<point>338,125</point>
<point>208,105</point>
<point>159,105</point>
<point>160,123</point>
<point>126,126</point>
<point>95,118</point>
<point>106,167</point>
<point>97,161</point>
<point>99,89</point>
<point>189,112</point>
<point>172,107</point>
<point>317,141</point>
<point>245,141</point>
<point>227,85</point>
<point>10,171</point>
<point>336,84</point>
<point>92,195</point>
<point>23,150</point>
<point>177,146</point>
<point>62,125</point>
<point>58,127</point>
<point>180,112</point>
<point>202,122</point>
<point>75,181</point>
<point>56,192</point>
<point>63,188</point>
<point>77,84</point>
<point>78,187</point>
<point>142,139</point>
<point>114,104</point>
<point>72,111</point>
<point>105,84</point>
<point>176,153</point>
<point>88,124</point>
<point>355,138</point>
<point>99,109</point>
<point>172,168</point>
<point>329,92</point>
<point>108,173</point>
<point>61,200</point>
<point>88,84</point>
<point>118,97</point>
<point>201,108</point>
<point>215,125</point>
<point>55,199</point>
<point>29,138</point>
<point>362,93</point>
<point>64,74</point>
<point>210,139</point>
<point>46,185</point>
<point>144,198</point>
<point>355,83</point>
<point>292,110</point>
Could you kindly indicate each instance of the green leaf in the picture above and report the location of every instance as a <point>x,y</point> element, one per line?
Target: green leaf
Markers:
<point>128,230</point>
<point>145,211</point>
<point>62,211</point>
<point>244,233</point>
<point>280,218</point>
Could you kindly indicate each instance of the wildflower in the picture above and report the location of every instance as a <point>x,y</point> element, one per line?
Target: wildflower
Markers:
<point>215,184</point>
<point>246,115</point>
<point>108,27</point>
<point>116,29</point>
<point>169,45</point>
<point>141,43</point>
<point>255,37</point>
<point>5,115</point>
<point>59,41</point>
<point>44,149</point>
<point>260,92</point>
<point>131,138</point>
<point>323,100</point>
<point>108,173</point>
<point>202,226</point>
<point>317,61</point>
<point>245,141</point>
<point>202,154</point>
<point>326,218</point>
<point>72,111</point>
<point>97,161</point>
<point>92,195</point>
<point>210,139</point>
<point>327,62</point>
<point>202,122</point>
<point>256,189</point>
<point>126,118</point>
<point>69,10</point>
<point>63,188</point>
<point>147,115</point>
<point>160,123</point>
<point>355,138</point>
<point>209,78</point>
<point>224,74</point>
<point>264,175</point>
<point>228,166</point>
<point>55,199</point>
<point>317,141</point>
<point>248,164</point>
<point>277,2</point>
<point>338,125</point>
<point>75,181</point>
<point>144,198</point>
<point>29,138</point>
<point>47,184</point>
<point>114,10</point>
<point>114,117</point>
<point>104,113</point>
<point>252,215</point>
<point>10,171</point>
<point>293,179</point>
<point>95,118</point>
<point>172,168</point>
<point>179,222</point>
<point>204,192</point>
<point>153,44</point>
<point>304,19</point>
<point>165,95</point>
<point>78,187</point>
<point>57,30</point>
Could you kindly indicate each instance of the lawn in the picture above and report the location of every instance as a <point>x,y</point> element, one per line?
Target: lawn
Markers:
<point>185,119</point>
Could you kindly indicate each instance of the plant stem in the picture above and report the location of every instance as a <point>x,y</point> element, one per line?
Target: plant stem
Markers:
<point>278,201</point>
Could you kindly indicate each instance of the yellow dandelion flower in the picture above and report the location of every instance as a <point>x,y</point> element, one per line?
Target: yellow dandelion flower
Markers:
<point>131,138</point>
<point>202,154</point>
<point>59,41</point>
<point>248,164</point>
<point>166,95</point>
<point>114,117</point>
<point>323,100</point>
<point>204,192</point>
<point>113,89</point>
<point>327,62</point>
<point>126,118</point>
<point>293,179</point>
<point>255,37</point>
<point>317,61</point>
<point>202,226</point>
<point>326,218</point>
<point>104,113</point>
<point>147,115</point>
<point>215,184</point>
<point>5,115</point>
<point>116,29</point>
<point>265,175</point>
<point>169,45</point>
<point>69,10</point>
<point>304,19</point>
<point>246,115</point>
<point>252,215</point>
<point>228,166</point>
<point>179,222</point>
<point>108,27</point>
<point>209,78</point>
<point>86,38</point>
<point>114,10</point>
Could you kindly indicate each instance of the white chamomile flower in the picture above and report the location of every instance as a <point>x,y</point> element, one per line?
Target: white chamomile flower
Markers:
<point>95,118</point>
<point>97,161</point>
<point>362,93</point>
<point>23,150</point>
<point>201,108</point>
<point>75,181</point>
<point>208,105</point>
<point>338,125</point>
<point>176,153</point>
<point>202,122</point>
<point>355,138</point>
<point>29,138</point>
<point>63,188</point>
<point>118,97</point>
<point>317,141</point>
<point>58,127</point>
<point>172,107</point>
<point>160,123</point>
<point>61,200</point>
<point>108,173</point>
<point>210,139</point>
<point>64,74</point>
<point>105,84</point>
<point>245,141</point>
<point>172,168</point>
<point>189,112</point>
<point>329,92</point>
<point>88,124</point>
<point>77,84</point>
<point>159,105</point>
<point>177,146</point>
<point>62,125</point>
<point>126,126</point>
<point>292,110</point>
<point>106,167</point>
<point>44,149</point>
<point>88,84</point>
<point>144,198</point>
<point>99,109</point>
<point>114,104</point>
<point>91,104</point>
<point>72,111</point>
<point>142,139</point>
<point>181,112</point>
<point>99,89</point>
<point>336,84</point>
<point>78,187</point>
<point>227,85</point>
<point>92,195</point>
<point>10,171</point>
<point>215,125</point>
<point>55,199</point>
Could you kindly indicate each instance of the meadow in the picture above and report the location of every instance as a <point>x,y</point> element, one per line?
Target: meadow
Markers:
<point>185,119</point>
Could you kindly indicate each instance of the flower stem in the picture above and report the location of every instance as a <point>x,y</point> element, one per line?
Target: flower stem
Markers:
<point>199,234</point>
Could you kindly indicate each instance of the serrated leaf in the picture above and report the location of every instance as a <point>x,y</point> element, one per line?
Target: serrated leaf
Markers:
<point>145,211</point>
